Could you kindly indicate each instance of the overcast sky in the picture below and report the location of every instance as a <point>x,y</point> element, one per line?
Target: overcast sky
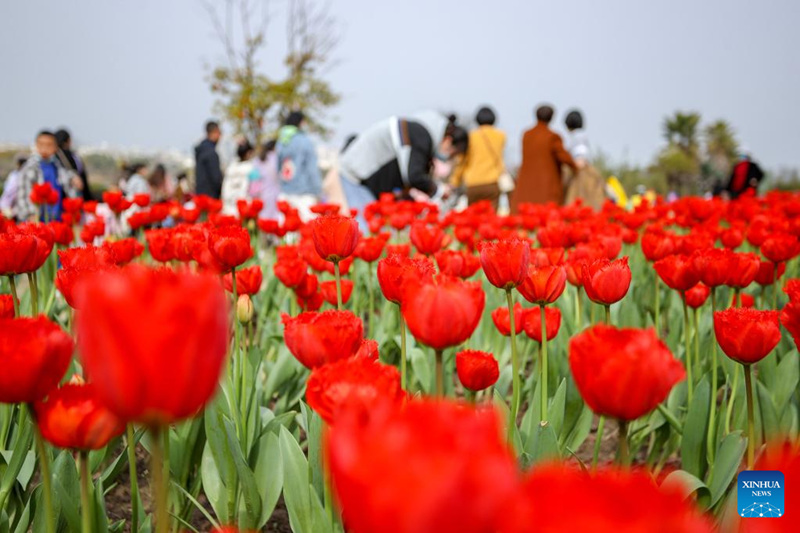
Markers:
<point>133,72</point>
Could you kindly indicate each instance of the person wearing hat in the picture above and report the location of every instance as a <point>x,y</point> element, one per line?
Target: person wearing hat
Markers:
<point>746,176</point>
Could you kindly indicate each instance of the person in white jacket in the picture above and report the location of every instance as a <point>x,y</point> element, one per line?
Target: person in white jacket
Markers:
<point>238,175</point>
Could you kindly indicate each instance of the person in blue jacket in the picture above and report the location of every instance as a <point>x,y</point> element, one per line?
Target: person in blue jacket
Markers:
<point>298,172</point>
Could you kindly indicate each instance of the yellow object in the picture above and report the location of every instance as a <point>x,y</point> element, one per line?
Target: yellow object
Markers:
<point>616,191</point>
<point>483,163</point>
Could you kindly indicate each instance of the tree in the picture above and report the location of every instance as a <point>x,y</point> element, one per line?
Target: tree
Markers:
<point>680,159</point>
<point>255,102</point>
<point>681,130</point>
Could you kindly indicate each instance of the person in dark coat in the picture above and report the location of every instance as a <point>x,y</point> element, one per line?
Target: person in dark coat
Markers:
<point>70,160</point>
<point>207,170</point>
<point>746,176</point>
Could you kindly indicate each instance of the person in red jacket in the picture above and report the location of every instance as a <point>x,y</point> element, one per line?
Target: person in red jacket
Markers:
<point>746,176</point>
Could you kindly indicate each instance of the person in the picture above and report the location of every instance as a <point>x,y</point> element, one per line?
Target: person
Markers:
<point>72,161</point>
<point>208,172</point>
<point>543,154</point>
<point>136,183</point>
<point>745,177</point>
<point>483,164</point>
<point>586,183</point>
<point>266,186</point>
<point>43,167</point>
<point>160,189</point>
<point>398,154</point>
<point>298,171</point>
<point>9,198</point>
<point>238,177</point>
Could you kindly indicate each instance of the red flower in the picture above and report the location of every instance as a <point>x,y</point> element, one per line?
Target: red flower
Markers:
<point>185,242</point>
<point>72,206</point>
<point>746,300</point>
<point>543,285</point>
<point>747,335</point>
<point>606,282</point>
<point>476,370</point>
<point>505,263</point>
<point>426,238</point>
<point>312,302</point>
<point>270,227</point>
<point>742,269</point>
<point>790,318</point>
<point>425,302</point>
<point>547,256</point>
<point>328,291</point>
<point>166,374</point>
<point>188,215</point>
<point>114,200</point>
<point>500,317</point>
<point>731,238</point>
<point>307,286</point>
<point>766,273</point>
<point>356,383</point>
<point>712,265</point>
<point>18,253</point>
<point>316,339</point>
<point>368,350</point>
<point>142,199</point>
<point>160,244</point>
<point>657,244</point>
<point>123,251</point>
<point>678,272</point>
<point>395,269</point>
<point>34,354</point>
<point>69,278</point>
<point>622,373</point>
<point>532,322</point>
<point>335,236</point>
<point>249,210</point>
<point>44,193</point>
<point>74,417</point>
<point>248,280</point>
<point>230,246</point>
<point>6,306</point>
<point>62,233</point>
<point>459,263</point>
<point>291,272</point>
<point>369,249</point>
<point>780,247</point>
<point>611,501</point>
<point>451,455</point>
<point>399,249</point>
<point>90,207</point>
<point>697,295</point>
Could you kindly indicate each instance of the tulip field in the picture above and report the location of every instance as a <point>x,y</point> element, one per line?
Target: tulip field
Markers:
<point>557,370</point>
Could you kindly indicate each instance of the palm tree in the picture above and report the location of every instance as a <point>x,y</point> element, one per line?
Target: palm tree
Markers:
<point>681,130</point>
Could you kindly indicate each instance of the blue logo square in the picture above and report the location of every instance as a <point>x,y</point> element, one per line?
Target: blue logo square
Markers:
<point>759,494</point>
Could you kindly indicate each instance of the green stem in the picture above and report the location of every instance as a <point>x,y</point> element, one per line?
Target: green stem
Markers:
<point>608,315</point>
<point>578,310</point>
<point>775,286</point>
<point>44,466</point>
<point>687,348</point>
<point>598,439</point>
<point>371,312</point>
<point>159,489</point>
<point>471,397</point>
<point>712,425</point>
<point>34,293</point>
<point>439,374</point>
<point>402,351</point>
<point>515,384</point>
<point>695,322</point>
<point>676,426</point>
<point>734,388</point>
<point>86,479</point>
<point>14,297</point>
<point>751,440</point>
<point>235,358</point>
<point>338,286</point>
<point>134,478</point>
<point>624,454</point>
<point>543,376</point>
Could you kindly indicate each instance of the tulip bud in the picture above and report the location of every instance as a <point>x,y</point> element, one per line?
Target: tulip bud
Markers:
<point>244,309</point>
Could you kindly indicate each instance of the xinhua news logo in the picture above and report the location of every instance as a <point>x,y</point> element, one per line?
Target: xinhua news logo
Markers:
<point>760,494</point>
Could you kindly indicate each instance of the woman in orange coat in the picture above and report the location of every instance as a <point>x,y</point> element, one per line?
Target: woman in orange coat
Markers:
<point>543,153</point>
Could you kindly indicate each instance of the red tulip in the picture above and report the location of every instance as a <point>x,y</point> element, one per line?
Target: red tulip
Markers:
<point>697,295</point>
<point>72,206</point>
<point>545,503</point>
<point>742,269</point>
<point>335,236</point>
<point>74,417</point>
<point>543,285</point>
<point>311,302</point>
<point>34,354</point>
<point>123,251</point>
<point>160,244</point>
<point>505,263</point>
<point>357,383</point>
<point>790,318</point>
<point>455,474</point>
<point>746,300</point>
<point>476,370</point>
<point>316,339</point>
<point>368,350</point>
<point>68,279</point>
<point>426,238</point>
<point>164,375</point>
<point>18,253</point>
<point>532,322</point>
<point>460,263</point>
<point>712,265</point>
<point>62,233</point>
<point>307,286</point>
<point>230,246</point>
<point>395,269</point>
<point>731,238</point>
<point>249,210</point>
<point>6,306</point>
<point>328,291</point>
<point>622,373</point>
<point>657,244</point>
<point>747,335</point>
<point>606,282</point>
<point>541,257</point>
<point>248,281</point>
<point>142,200</point>
<point>500,317</point>
<point>290,272</point>
<point>44,193</point>
<point>677,272</point>
<point>90,207</point>
<point>83,257</point>
<point>781,247</point>
<point>426,302</point>
<point>369,249</point>
<point>399,249</point>
<point>766,273</point>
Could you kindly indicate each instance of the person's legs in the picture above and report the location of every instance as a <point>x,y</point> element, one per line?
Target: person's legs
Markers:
<point>489,192</point>
<point>357,197</point>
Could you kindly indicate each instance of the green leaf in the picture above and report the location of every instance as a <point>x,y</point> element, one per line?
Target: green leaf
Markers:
<point>218,445</point>
<point>693,451</point>
<point>421,364</point>
<point>20,456</point>
<point>556,407</point>
<point>213,487</point>
<point>67,489</point>
<point>581,430</point>
<point>247,482</point>
<point>729,457</point>
<point>269,475</point>
<point>769,416</point>
<point>686,483</point>
<point>296,486</point>
<point>545,444</point>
